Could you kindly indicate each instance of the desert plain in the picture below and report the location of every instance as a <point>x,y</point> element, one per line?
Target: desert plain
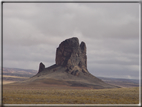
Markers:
<point>55,94</point>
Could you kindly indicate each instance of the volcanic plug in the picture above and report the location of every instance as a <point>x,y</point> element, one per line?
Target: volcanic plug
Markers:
<point>70,67</point>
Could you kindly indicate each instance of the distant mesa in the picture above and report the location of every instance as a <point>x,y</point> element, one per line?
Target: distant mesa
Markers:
<point>70,68</point>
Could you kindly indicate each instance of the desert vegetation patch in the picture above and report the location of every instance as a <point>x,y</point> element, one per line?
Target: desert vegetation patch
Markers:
<point>68,95</point>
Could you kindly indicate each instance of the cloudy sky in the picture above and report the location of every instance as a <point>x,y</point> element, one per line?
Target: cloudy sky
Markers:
<point>33,31</point>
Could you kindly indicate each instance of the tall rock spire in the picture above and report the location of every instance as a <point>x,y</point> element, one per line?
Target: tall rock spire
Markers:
<point>72,55</point>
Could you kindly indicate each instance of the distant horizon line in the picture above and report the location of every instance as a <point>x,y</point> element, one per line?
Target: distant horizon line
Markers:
<point>94,75</point>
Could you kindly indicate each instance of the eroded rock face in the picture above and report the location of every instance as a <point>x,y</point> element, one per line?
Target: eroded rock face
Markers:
<point>72,55</point>
<point>41,67</point>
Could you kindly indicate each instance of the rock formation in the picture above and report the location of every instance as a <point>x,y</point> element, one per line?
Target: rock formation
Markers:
<point>72,55</point>
<point>41,67</point>
<point>70,68</point>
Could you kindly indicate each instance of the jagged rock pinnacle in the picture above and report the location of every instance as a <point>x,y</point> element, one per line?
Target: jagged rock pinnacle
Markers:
<point>72,55</point>
<point>41,67</point>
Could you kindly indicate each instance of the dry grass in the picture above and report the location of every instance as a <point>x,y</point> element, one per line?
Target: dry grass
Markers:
<point>8,82</point>
<point>14,76</point>
<point>54,95</point>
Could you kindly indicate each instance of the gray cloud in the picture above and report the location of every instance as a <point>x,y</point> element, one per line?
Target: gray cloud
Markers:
<point>33,31</point>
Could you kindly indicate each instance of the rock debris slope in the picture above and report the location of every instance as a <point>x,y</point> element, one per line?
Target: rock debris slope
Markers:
<point>70,68</point>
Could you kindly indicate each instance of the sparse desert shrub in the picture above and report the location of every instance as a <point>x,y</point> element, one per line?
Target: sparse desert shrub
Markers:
<point>46,95</point>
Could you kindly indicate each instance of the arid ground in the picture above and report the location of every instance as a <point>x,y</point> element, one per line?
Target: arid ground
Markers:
<point>42,93</point>
<point>51,94</point>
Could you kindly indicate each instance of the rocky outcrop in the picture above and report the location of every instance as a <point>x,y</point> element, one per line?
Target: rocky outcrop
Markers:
<point>72,55</point>
<point>70,68</point>
<point>41,67</point>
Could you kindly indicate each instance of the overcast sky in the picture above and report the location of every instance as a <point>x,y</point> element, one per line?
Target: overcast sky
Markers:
<point>33,31</point>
